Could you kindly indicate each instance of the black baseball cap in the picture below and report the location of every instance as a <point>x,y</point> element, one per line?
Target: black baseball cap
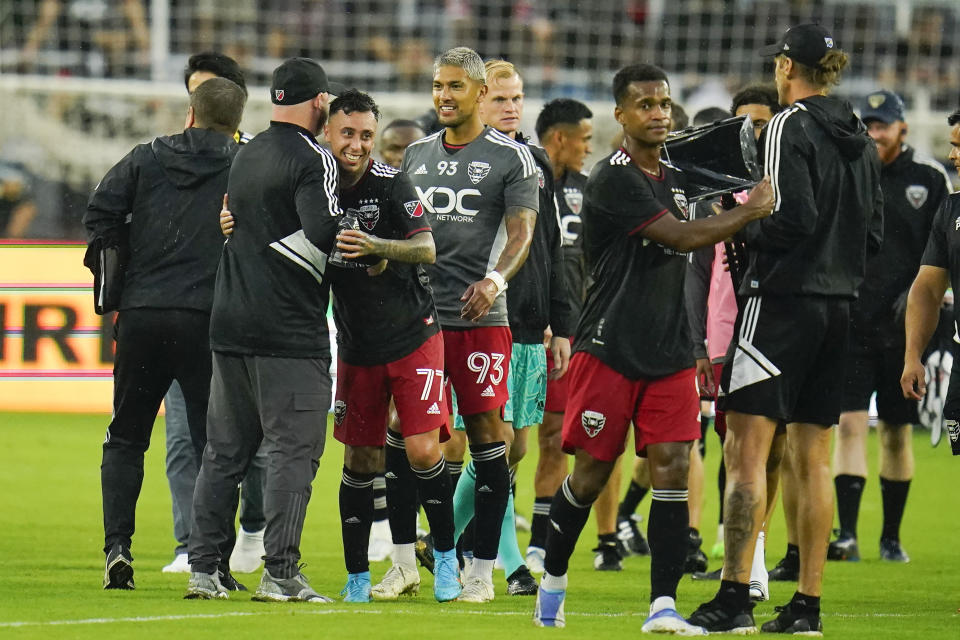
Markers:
<point>300,79</point>
<point>883,105</point>
<point>805,43</point>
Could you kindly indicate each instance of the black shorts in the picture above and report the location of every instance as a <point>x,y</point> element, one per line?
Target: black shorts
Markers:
<point>951,406</point>
<point>786,359</point>
<point>868,369</point>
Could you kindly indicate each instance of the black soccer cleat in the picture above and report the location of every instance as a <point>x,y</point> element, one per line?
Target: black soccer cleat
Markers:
<point>843,548</point>
<point>229,582</point>
<point>608,557</point>
<point>118,573</point>
<point>792,620</point>
<point>521,583</point>
<point>696,560</point>
<point>787,570</point>
<point>892,551</point>
<point>708,575</point>
<point>717,618</point>
<point>629,534</point>
<point>423,547</point>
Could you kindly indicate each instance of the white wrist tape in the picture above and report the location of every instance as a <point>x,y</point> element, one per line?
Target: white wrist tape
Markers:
<point>498,280</point>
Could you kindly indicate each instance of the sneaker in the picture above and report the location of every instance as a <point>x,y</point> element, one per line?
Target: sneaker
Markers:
<point>523,525</point>
<point>294,589</point>
<point>179,565</point>
<point>713,616</point>
<point>792,621</point>
<point>891,551</point>
<point>843,548</point>
<point>521,583</point>
<point>118,573</point>
<point>357,588</point>
<point>629,532</point>
<point>548,611</point>
<point>608,558</point>
<point>229,582</point>
<point>446,577</point>
<point>381,542</point>
<point>707,575</point>
<point>664,618</point>
<point>248,551</point>
<point>476,590</point>
<point>423,547</point>
<point>534,559</point>
<point>787,570</point>
<point>205,586</point>
<point>397,582</point>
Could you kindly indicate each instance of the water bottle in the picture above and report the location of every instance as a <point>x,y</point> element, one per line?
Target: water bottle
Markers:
<point>347,221</point>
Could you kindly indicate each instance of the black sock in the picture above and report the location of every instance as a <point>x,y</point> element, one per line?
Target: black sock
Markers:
<point>805,603</point>
<point>667,533</point>
<point>356,515</point>
<point>567,516</point>
<point>793,554</point>
<point>490,496</point>
<point>735,595</point>
<point>540,522</point>
<point>379,498</point>
<point>436,494</point>
<point>631,500</point>
<point>849,489</point>
<point>722,485</point>
<point>455,467</point>
<point>894,493</point>
<point>606,540</point>
<point>401,491</point>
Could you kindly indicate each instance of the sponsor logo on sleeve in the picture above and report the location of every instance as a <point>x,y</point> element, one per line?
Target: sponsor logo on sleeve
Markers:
<point>593,422</point>
<point>477,171</point>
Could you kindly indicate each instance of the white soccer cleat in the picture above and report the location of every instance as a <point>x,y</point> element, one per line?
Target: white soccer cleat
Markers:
<point>534,559</point>
<point>523,525</point>
<point>664,618</point>
<point>179,565</point>
<point>476,590</point>
<point>248,552</point>
<point>381,542</point>
<point>397,582</point>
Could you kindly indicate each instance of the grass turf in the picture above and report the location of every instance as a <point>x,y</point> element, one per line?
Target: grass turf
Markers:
<point>52,565</point>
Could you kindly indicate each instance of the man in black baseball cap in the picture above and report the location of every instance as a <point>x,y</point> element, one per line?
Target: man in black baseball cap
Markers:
<point>805,43</point>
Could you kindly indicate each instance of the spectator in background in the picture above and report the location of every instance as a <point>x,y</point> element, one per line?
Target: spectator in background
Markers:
<point>17,207</point>
<point>396,136</point>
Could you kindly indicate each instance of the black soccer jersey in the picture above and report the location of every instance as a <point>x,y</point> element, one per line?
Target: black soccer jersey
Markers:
<point>943,247</point>
<point>634,319</point>
<point>570,187</point>
<point>386,317</point>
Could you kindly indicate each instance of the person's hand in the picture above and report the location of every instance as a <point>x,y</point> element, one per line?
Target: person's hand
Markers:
<point>478,297</point>
<point>705,380</point>
<point>226,219</point>
<point>547,336</point>
<point>560,349</point>
<point>913,381</point>
<point>354,243</point>
<point>377,269</point>
<point>760,201</point>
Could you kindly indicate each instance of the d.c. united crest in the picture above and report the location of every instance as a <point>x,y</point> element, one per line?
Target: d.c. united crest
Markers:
<point>339,412</point>
<point>477,171</point>
<point>593,422</point>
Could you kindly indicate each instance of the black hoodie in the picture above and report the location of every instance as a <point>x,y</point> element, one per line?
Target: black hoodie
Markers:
<point>165,197</point>
<point>828,213</point>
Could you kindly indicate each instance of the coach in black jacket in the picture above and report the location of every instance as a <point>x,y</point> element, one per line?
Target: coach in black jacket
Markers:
<point>162,200</point>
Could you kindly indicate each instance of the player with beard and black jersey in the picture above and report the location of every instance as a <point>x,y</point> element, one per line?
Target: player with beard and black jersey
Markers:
<point>633,357</point>
<point>564,129</point>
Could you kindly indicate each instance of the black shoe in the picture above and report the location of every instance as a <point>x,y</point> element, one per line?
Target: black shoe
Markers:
<point>791,620</point>
<point>629,534</point>
<point>715,617</point>
<point>696,560</point>
<point>891,551</point>
<point>787,570</point>
<point>229,582</point>
<point>521,583</point>
<point>608,558</point>
<point>423,547</point>
<point>843,548</point>
<point>704,575</point>
<point>118,573</point>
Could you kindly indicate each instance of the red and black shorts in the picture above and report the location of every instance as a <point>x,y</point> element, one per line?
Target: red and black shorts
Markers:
<point>477,363</point>
<point>557,390</point>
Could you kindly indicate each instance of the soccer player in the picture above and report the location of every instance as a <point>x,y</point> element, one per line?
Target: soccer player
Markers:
<point>633,359</point>
<point>805,264</point>
<point>565,129</point>
<point>271,372</point>
<point>479,188</point>
<point>939,268</point>
<point>913,189</point>
<point>395,138</point>
<point>157,206</point>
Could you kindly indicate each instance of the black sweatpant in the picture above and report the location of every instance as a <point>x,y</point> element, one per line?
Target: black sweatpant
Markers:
<point>154,347</point>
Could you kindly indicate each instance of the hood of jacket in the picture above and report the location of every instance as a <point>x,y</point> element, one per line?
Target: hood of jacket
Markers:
<point>193,156</point>
<point>838,120</point>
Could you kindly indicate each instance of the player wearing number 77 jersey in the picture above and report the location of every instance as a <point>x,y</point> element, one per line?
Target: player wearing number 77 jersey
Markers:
<point>479,189</point>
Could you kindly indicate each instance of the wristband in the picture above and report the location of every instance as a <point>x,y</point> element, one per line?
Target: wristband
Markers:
<point>498,281</point>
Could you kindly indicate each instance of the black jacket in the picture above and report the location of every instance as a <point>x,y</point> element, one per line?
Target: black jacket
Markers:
<point>161,205</point>
<point>829,208</point>
<point>537,295</point>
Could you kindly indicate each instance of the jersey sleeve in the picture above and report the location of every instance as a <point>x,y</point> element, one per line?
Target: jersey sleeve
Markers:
<point>316,199</point>
<point>521,186</point>
<point>935,253</point>
<point>627,200</point>
<point>406,208</point>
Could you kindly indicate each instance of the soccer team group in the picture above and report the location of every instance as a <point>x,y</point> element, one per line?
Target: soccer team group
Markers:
<point>458,271</point>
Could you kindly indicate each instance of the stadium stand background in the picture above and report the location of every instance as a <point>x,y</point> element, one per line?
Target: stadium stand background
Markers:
<point>81,81</point>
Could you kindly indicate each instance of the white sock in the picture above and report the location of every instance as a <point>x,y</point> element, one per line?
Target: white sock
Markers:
<point>758,572</point>
<point>553,583</point>
<point>482,569</point>
<point>405,556</point>
<point>661,603</point>
<point>720,532</point>
<point>380,529</point>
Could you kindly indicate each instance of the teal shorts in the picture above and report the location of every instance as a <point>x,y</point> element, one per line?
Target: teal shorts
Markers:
<point>527,383</point>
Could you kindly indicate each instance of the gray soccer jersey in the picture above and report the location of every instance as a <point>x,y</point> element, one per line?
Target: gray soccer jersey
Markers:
<point>465,192</point>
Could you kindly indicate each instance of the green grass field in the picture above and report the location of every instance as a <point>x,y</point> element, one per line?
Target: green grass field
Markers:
<point>52,565</point>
